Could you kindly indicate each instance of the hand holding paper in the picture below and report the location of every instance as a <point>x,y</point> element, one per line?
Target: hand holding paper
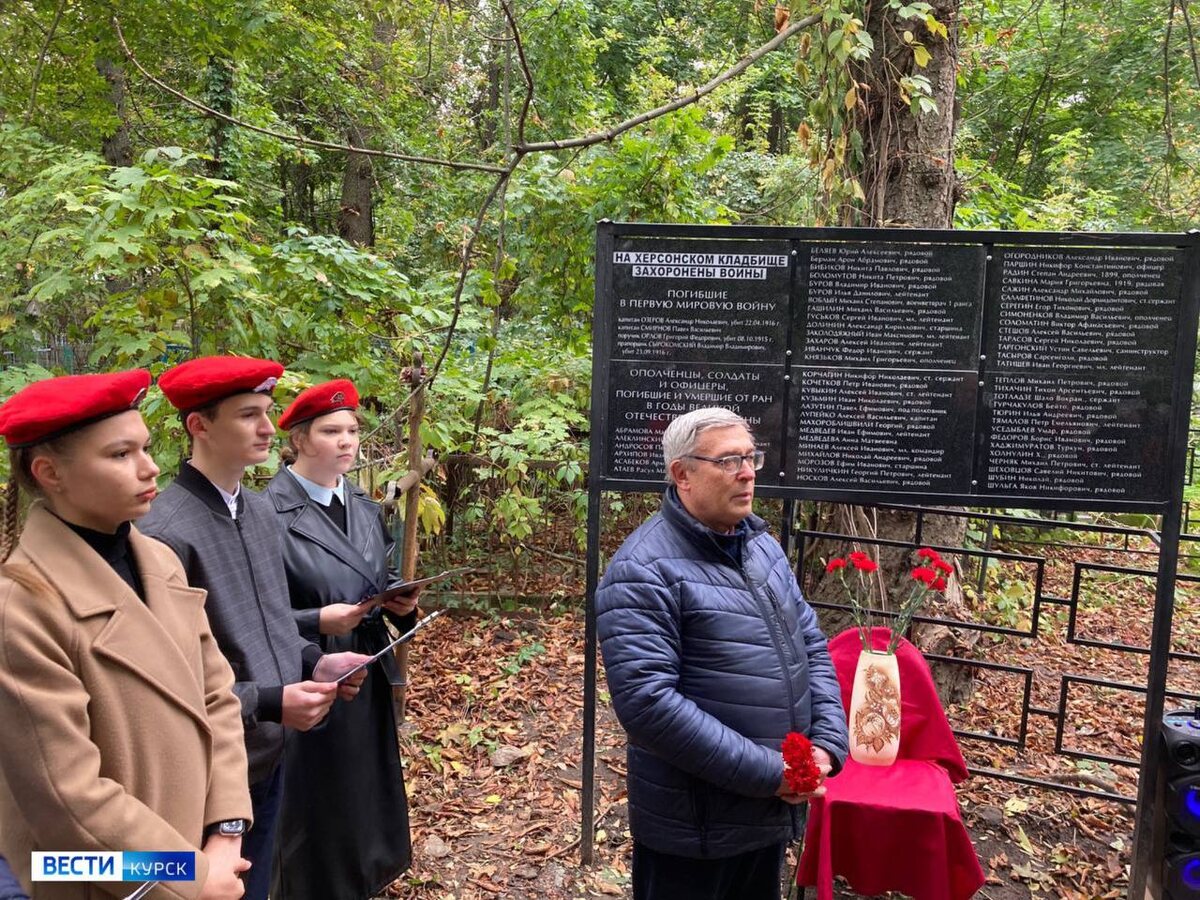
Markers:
<point>346,670</point>
<point>404,604</point>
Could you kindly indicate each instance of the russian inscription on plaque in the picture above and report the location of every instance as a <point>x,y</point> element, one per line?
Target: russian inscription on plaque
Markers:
<point>695,323</point>
<point>886,377</point>
<point>645,397</point>
<point>1077,386</point>
<point>890,368</point>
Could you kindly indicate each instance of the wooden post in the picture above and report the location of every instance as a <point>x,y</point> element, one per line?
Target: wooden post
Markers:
<point>412,505</point>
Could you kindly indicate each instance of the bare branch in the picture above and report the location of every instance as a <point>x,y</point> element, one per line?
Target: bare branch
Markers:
<point>429,43</point>
<point>465,268</point>
<point>295,138</point>
<point>37,72</point>
<point>518,153</point>
<point>525,73</point>
<point>729,74</point>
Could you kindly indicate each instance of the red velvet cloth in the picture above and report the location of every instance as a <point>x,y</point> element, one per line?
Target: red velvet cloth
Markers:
<point>894,828</point>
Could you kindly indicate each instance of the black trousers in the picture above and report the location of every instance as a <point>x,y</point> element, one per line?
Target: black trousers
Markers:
<point>258,845</point>
<point>747,876</point>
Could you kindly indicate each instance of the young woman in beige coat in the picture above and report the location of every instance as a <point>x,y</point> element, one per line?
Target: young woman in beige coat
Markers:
<point>120,730</point>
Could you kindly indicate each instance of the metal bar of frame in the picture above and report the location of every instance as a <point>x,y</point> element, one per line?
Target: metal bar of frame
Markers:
<point>1002,519</point>
<point>1148,818</point>
<point>1170,508</point>
<point>1073,636</point>
<point>1063,697</point>
<point>1026,694</point>
<point>873,498</point>
<point>599,422</point>
<point>1029,781</point>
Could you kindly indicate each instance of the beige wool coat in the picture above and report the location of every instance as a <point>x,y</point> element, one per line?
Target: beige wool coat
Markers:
<point>118,726</point>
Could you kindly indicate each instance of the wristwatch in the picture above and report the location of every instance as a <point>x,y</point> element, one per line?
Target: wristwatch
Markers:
<point>228,828</point>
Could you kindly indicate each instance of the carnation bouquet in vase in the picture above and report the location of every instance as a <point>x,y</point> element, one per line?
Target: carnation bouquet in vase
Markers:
<point>874,717</point>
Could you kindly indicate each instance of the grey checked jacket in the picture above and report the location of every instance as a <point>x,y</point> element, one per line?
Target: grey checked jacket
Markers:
<point>240,563</point>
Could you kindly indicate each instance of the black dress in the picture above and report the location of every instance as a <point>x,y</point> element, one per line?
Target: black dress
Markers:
<point>343,828</point>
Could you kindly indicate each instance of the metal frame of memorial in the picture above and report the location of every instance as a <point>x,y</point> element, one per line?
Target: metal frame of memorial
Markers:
<point>978,386</point>
<point>1041,600</point>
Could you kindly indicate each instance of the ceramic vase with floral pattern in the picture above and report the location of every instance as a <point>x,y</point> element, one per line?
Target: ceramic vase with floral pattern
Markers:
<point>875,709</point>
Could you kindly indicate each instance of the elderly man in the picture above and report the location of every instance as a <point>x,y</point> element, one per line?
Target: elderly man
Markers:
<point>713,656</point>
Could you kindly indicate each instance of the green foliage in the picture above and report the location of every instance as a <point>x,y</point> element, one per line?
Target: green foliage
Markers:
<point>1078,116</point>
<point>1006,598</point>
<point>526,654</point>
<point>1067,204</point>
<point>662,174</point>
<point>1061,101</point>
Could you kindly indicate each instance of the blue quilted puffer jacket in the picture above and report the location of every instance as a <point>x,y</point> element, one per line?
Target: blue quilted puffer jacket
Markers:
<point>712,656</point>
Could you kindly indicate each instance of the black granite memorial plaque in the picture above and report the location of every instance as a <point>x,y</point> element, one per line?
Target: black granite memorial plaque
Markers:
<point>889,305</point>
<point>905,370</point>
<point>1079,348</point>
<point>881,430</point>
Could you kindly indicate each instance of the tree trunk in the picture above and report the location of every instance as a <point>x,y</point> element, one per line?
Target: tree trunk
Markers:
<point>296,182</point>
<point>486,106</point>
<point>909,176</point>
<point>117,147</point>
<point>219,95</point>
<point>908,179</point>
<point>355,214</point>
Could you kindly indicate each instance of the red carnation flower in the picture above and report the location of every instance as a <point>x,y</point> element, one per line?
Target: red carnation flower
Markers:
<point>864,563</point>
<point>939,584</point>
<point>921,573</point>
<point>928,553</point>
<point>942,566</point>
<point>835,564</point>
<point>800,769</point>
<point>857,555</point>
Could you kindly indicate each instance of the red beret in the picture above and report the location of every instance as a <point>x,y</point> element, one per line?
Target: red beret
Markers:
<point>52,407</point>
<point>199,382</point>
<point>320,400</point>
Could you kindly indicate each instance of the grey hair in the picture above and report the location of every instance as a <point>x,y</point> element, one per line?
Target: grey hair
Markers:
<point>684,432</point>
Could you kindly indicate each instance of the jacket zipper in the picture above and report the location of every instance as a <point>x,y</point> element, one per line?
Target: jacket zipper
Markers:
<point>775,627</point>
<point>779,639</point>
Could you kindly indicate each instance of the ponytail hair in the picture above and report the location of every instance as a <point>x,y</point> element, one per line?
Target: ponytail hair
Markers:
<point>20,476</point>
<point>10,525</point>
<point>291,451</point>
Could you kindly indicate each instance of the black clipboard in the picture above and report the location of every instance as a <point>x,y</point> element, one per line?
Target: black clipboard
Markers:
<point>403,588</point>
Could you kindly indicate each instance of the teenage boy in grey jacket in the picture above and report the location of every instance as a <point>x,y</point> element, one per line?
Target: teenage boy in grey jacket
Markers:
<point>712,656</point>
<point>229,542</point>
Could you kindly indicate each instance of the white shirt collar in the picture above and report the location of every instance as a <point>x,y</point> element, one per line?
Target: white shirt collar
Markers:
<point>231,500</point>
<point>318,492</point>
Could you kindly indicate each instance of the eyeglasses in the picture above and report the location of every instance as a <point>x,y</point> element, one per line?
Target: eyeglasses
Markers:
<point>731,465</point>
